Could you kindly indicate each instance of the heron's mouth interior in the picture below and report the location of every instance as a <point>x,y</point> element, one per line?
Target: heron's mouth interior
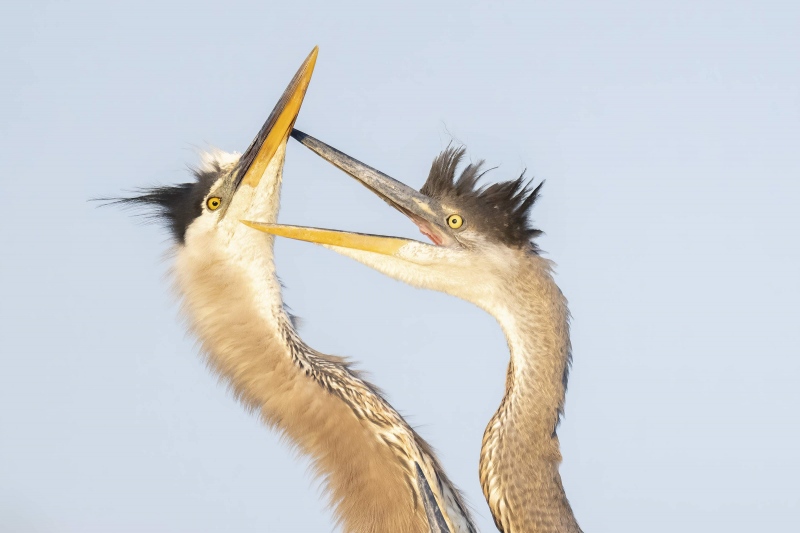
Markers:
<point>431,236</point>
<point>424,226</point>
<point>428,231</point>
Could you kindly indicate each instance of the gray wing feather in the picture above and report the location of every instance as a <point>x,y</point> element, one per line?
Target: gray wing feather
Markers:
<point>435,518</point>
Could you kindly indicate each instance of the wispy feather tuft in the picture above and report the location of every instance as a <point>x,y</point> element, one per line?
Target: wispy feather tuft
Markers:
<point>176,206</point>
<point>500,210</point>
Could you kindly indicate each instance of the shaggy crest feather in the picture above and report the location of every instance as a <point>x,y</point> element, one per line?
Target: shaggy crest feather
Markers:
<point>500,210</point>
<point>176,206</point>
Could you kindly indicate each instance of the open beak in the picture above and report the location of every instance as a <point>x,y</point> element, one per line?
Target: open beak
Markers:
<point>424,211</point>
<point>345,239</point>
<point>276,129</point>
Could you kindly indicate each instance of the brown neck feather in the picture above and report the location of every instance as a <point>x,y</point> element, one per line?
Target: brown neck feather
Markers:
<point>520,453</point>
<point>360,447</point>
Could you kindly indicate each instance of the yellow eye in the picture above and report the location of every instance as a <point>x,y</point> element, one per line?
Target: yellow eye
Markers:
<point>455,221</point>
<point>213,203</point>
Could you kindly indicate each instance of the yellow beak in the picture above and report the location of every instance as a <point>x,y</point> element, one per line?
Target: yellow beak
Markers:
<point>358,241</point>
<point>278,126</point>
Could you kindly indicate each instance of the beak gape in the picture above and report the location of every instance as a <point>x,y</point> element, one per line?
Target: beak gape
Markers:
<point>424,211</point>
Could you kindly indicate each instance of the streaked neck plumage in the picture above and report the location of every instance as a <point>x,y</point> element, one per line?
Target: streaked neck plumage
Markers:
<point>520,453</point>
<point>359,445</point>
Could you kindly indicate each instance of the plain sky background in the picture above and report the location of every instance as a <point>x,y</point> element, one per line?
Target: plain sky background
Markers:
<point>668,133</point>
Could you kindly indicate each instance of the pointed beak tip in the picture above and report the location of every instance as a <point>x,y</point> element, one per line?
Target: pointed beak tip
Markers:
<point>255,225</point>
<point>276,130</point>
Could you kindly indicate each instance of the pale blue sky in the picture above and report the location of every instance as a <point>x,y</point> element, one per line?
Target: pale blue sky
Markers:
<point>668,135</point>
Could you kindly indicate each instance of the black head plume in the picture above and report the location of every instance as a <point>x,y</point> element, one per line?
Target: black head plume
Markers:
<point>499,210</point>
<point>175,206</point>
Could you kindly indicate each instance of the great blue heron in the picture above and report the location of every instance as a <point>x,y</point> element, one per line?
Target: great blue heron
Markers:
<point>380,474</point>
<point>482,252</point>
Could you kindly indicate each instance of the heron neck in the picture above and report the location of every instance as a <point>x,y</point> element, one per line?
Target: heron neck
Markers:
<point>357,443</point>
<point>520,453</point>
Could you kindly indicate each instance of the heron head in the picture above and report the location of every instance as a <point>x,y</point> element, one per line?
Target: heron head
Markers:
<point>228,187</point>
<point>476,231</point>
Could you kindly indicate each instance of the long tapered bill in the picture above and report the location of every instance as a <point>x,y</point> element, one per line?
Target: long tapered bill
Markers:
<point>277,128</point>
<point>417,206</point>
<point>345,239</point>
